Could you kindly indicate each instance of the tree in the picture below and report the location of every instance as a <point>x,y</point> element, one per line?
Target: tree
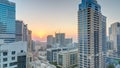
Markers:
<point>111,66</point>
<point>119,62</point>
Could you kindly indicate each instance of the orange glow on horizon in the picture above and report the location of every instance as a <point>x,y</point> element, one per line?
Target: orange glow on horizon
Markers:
<point>40,36</point>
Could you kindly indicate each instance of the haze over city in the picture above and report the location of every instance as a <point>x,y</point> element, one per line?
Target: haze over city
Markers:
<point>59,34</point>
<point>49,16</point>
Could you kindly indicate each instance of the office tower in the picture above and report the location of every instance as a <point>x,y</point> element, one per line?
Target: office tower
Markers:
<point>50,41</point>
<point>7,21</point>
<point>23,33</point>
<point>114,36</point>
<point>60,39</point>
<point>13,55</point>
<point>19,30</point>
<point>90,36</point>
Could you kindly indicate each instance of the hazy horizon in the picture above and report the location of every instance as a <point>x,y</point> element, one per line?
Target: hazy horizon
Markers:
<point>45,17</point>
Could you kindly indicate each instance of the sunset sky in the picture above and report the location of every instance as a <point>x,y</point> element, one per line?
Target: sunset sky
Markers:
<point>45,17</point>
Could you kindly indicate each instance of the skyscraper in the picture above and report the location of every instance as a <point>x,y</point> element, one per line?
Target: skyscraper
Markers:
<point>50,41</point>
<point>90,34</point>
<point>60,39</point>
<point>7,21</point>
<point>114,36</point>
<point>19,30</point>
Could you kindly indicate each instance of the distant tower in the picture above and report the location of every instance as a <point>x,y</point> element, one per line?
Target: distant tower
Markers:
<point>50,41</point>
<point>60,39</point>
<point>114,36</point>
<point>91,30</point>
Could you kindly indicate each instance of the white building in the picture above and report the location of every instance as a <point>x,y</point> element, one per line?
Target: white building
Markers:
<point>13,55</point>
<point>52,53</point>
<point>67,59</point>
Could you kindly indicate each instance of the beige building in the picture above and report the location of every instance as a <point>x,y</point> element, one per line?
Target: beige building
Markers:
<point>67,59</point>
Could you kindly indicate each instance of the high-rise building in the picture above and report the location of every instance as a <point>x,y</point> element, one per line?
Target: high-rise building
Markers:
<point>114,37</point>
<point>60,39</point>
<point>24,34</point>
<point>7,21</point>
<point>90,34</point>
<point>50,41</point>
<point>104,39</point>
<point>19,30</point>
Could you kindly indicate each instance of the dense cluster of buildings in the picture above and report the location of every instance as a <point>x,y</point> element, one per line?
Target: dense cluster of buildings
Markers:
<point>15,38</point>
<point>94,49</point>
<point>59,40</point>
<point>62,51</point>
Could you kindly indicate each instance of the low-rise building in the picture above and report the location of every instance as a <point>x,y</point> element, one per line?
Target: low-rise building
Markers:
<point>52,53</point>
<point>13,55</point>
<point>67,59</point>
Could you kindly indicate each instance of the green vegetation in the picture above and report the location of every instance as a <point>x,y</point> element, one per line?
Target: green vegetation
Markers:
<point>74,66</point>
<point>111,66</point>
<point>55,63</point>
<point>119,62</point>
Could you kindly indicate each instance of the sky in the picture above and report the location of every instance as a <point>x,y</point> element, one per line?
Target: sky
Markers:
<point>45,17</point>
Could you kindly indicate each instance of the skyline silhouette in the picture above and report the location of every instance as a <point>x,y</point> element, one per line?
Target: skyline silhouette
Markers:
<point>46,17</point>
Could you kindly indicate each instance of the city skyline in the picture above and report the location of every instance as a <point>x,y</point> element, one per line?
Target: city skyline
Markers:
<point>58,16</point>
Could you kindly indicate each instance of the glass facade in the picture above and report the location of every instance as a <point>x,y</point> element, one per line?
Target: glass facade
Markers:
<point>7,17</point>
<point>7,21</point>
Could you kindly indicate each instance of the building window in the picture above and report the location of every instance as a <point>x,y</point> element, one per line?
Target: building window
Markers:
<point>60,60</point>
<point>13,58</point>
<point>5,53</point>
<point>4,59</point>
<point>4,65</point>
<point>21,51</point>
<point>13,52</point>
<point>13,63</point>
